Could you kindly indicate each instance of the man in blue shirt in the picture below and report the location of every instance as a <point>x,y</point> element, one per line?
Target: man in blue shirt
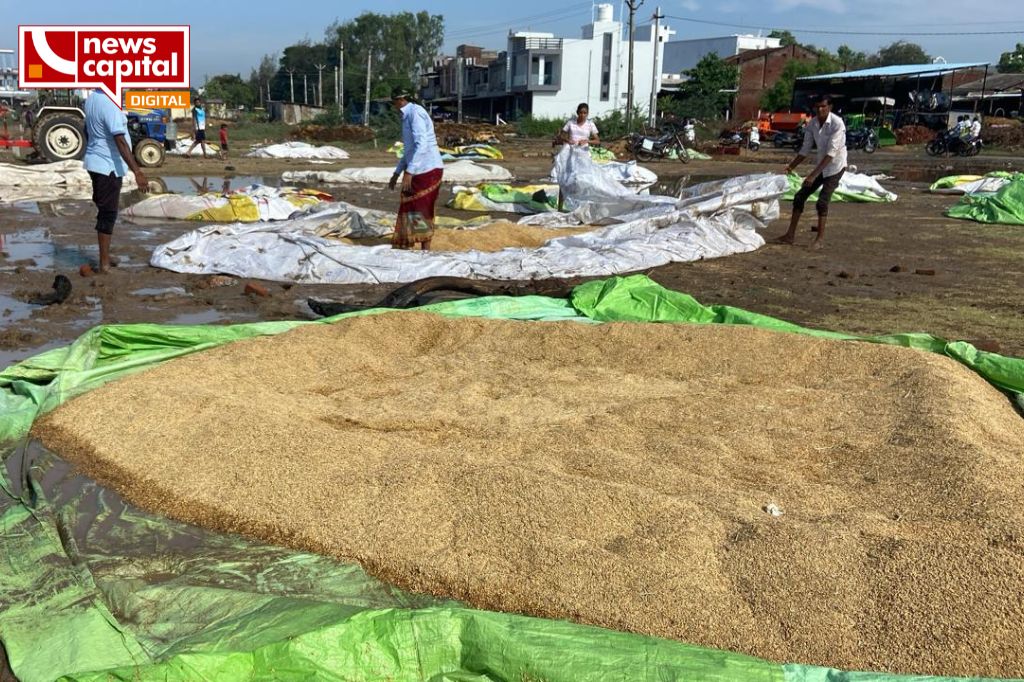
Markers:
<point>108,156</point>
<point>421,169</point>
<point>199,128</point>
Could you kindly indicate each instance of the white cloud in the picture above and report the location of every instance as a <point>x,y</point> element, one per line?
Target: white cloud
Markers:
<point>690,5</point>
<point>837,6</point>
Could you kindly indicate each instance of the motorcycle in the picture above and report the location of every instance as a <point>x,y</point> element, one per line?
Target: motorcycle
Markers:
<point>788,140</point>
<point>950,142</point>
<point>862,138</point>
<point>736,138</point>
<point>665,145</point>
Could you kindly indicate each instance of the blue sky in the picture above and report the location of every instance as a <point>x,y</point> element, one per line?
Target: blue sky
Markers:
<point>230,37</point>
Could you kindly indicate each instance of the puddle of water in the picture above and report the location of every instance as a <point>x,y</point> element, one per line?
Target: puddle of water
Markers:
<point>166,291</point>
<point>10,357</point>
<point>199,184</point>
<point>13,310</point>
<point>202,317</point>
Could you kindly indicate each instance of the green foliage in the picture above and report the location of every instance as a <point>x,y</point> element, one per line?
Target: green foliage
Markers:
<point>900,52</point>
<point>332,116</point>
<point>387,125</point>
<point>402,46</point>
<point>702,95</point>
<point>613,125</point>
<point>787,37</point>
<point>262,76</point>
<point>1012,62</point>
<point>850,59</point>
<point>780,95</point>
<point>529,126</point>
<point>232,89</point>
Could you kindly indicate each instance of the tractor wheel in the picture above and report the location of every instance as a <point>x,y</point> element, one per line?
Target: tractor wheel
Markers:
<point>149,153</point>
<point>60,137</point>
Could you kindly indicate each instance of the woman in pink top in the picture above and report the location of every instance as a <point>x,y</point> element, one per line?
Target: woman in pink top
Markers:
<point>579,131</point>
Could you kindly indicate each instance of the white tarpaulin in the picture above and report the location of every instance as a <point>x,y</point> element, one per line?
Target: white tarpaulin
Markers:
<point>972,184</point>
<point>182,145</point>
<point>458,171</point>
<point>624,172</point>
<point>649,231</point>
<point>49,181</point>
<point>249,204</point>
<point>299,150</point>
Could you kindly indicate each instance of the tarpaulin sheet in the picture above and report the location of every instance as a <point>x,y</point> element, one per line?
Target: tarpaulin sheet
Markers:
<point>299,150</point>
<point>457,171</point>
<point>650,231</point>
<point>49,181</point>
<point>93,589</point>
<point>249,204</point>
<point>524,199</point>
<point>971,184</point>
<point>853,187</point>
<point>96,590</point>
<point>1005,207</point>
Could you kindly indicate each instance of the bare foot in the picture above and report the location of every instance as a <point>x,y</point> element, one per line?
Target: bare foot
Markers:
<point>784,239</point>
<point>816,245</point>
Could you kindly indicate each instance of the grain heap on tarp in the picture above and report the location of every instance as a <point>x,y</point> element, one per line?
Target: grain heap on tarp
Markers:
<point>615,475</point>
<point>253,203</point>
<point>49,181</point>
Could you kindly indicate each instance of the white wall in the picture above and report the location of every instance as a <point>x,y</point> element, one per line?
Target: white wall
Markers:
<point>581,72</point>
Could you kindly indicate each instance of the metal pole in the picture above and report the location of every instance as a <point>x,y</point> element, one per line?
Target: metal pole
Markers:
<point>984,82</point>
<point>458,85</point>
<point>366,105</point>
<point>291,84</point>
<point>336,101</point>
<point>305,90</point>
<point>633,5</point>
<point>320,83</point>
<point>656,77</point>
<point>341,77</point>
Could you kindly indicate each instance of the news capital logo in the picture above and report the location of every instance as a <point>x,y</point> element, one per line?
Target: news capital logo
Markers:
<point>107,57</point>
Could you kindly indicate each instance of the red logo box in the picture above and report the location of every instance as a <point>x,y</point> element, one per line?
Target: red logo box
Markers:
<point>106,57</point>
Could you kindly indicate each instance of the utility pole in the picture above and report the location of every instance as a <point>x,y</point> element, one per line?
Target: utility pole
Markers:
<point>291,84</point>
<point>633,6</point>
<point>305,90</point>
<point>458,85</point>
<point>320,83</point>
<point>341,77</point>
<point>366,104</point>
<point>656,78</point>
<point>337,102</point>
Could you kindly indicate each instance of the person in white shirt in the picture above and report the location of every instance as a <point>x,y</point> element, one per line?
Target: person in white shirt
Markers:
<point>975,128</point>
<point>580,131</point>
<point>828,132</point>
<point>690,132</point>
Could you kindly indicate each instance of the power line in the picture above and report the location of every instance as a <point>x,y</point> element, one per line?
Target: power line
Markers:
<point>503,25</point>
<point>845,33</point>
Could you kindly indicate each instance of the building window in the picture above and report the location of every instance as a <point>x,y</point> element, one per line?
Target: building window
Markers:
<point>606,67</point>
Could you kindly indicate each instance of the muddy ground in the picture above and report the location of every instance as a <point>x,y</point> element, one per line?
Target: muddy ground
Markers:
<point>867,280</point>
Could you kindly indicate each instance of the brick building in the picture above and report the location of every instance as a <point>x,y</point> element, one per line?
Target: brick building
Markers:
<point>759,71</point>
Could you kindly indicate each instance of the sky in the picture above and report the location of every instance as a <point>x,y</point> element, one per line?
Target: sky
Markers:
<point>231,37</point>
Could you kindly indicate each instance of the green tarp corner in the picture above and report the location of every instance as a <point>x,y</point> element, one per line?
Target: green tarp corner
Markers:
<point>840,195</point>
<point>1005,207</point>
<point>95,590</point>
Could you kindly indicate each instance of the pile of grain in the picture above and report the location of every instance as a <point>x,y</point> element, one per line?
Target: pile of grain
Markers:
<point>497,236</point>
<point>612,474</point>
<point>914,134</point>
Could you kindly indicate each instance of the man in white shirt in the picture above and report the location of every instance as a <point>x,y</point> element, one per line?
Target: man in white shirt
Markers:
<point>828,132</point>
<point>975,128</point>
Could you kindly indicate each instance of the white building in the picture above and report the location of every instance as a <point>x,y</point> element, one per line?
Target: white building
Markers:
<point>547,76</point>
<point>683,55</point>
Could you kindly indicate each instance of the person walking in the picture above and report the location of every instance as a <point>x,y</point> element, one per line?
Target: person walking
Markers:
<point>421,170</point>
<point>199,128</point>
<point>828,132</point>
<point>108,156</point>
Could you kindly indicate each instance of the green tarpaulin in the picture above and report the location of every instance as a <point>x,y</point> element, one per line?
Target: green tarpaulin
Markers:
<point>93,589</point>
<point>1005,207</point>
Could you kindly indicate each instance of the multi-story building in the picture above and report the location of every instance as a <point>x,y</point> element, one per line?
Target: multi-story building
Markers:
<point>683,55</point>
<point>547,77</point>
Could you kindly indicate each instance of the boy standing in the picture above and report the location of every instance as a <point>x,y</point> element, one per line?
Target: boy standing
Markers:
<point>223,140</point>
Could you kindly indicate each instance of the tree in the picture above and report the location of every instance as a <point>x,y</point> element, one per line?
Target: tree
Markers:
<point>232,89</point>
<point>787,37</point>
<point>780,95</point>
<point>702,95</point>
<point>403,46</point>
<point>850,59</point>
<point>263,75</point>
<point>1012,62</point>
<point>900,52</point>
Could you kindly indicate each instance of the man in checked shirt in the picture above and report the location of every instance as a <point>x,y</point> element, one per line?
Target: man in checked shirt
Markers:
<point>828,132</point>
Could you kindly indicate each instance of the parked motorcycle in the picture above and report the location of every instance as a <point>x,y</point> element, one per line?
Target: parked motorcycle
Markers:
<point>663,146</point>
<point>788,140</point>
<point>950,142</point>
<point>862,138</point>
<point>736,138</point>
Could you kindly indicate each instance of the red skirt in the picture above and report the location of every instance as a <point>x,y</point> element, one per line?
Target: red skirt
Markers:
<point>415,222</point>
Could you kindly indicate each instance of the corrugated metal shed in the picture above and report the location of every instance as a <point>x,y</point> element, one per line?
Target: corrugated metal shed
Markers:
<point>897,70</point>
